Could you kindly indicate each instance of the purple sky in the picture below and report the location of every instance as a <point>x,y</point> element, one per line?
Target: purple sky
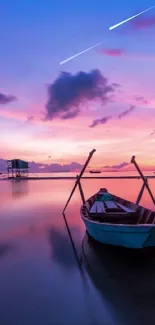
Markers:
<point>37,120</point>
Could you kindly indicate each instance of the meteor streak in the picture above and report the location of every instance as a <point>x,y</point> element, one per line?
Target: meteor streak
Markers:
<point>110,28</point>
<point>126,20</point>
<point>74,56</point>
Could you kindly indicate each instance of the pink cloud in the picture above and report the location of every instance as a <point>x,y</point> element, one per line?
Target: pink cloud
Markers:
<point>142,23</point>
<point>152,133</point>
<point>112,52</point>
<point>122,53</point>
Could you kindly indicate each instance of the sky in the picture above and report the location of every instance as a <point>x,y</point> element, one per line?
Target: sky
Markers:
<point>103,99</point>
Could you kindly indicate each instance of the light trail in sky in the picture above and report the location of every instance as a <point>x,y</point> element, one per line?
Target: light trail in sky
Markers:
<point>74,56</point>
<point>110,28</point>
<point>126,20</point>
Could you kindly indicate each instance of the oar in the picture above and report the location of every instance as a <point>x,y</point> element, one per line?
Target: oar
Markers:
<point>79,177</point>
<point>133,161</point>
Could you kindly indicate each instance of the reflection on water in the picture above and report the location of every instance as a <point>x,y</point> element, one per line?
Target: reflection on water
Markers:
<point>5,248</point>
<point>40,281</point>
<point>124,279</point>
<point>19,188</point>
<point>60,242</point>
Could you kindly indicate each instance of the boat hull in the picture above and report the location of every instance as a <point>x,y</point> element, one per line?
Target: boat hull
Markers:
<point>131,236</point>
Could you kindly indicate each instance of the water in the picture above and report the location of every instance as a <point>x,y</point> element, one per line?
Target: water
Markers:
<point>40,283</point>
<point>86,174</point>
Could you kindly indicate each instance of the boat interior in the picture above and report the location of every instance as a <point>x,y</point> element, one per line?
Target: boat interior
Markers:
<point>105,207</point>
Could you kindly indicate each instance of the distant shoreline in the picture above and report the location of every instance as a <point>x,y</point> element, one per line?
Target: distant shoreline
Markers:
<point>74,177</point>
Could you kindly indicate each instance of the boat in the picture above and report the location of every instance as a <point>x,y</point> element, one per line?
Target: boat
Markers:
<point>116,221</point>
<point>112,220</point>
<point>95,171</point>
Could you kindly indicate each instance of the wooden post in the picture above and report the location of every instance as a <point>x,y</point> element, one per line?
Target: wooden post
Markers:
<point>141,192</point>
<point>81,191</point>
<point>133,161</point>
<point>79,177</point>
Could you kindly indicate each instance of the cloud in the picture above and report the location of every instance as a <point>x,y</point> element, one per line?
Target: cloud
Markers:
<point>30,119</point>
<point>121,165</point>
<point>103,120</point>
<point>127,55</point>
<point>112,52</point>
<point>68,92</point>
<point>151,134</point>
<point>141,100</point>
<point>142,23</point>
<point>126,112</point>
<point>6,99</point>
<point>54,167</point>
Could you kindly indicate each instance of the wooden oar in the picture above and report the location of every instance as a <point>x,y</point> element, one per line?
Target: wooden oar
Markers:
<point>133,161</point>
<point>79,177</point>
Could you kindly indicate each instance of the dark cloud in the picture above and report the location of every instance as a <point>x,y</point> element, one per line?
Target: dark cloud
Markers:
<point>114,84</point>
<point>103,120</point>
<point>142,23</point>
<point>69,92</point>
<point>141,100</point>
<point>6,99</point>
<point>111,52</point>
<point>126,112</point>
<point>121,165</point>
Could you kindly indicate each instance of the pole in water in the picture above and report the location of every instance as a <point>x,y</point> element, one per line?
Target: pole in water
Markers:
<point>133,161</point>
<point>79,177</point>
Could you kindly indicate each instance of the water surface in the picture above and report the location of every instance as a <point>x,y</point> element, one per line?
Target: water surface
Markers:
<point>40,283</point>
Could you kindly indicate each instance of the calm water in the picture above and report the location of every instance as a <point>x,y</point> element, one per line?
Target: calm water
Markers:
<point>40,283</point>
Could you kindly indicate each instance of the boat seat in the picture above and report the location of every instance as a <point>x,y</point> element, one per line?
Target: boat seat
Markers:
<point>112,213</point>
<point>125,208</point>
<point>97,208</point>
<point>112,206</point>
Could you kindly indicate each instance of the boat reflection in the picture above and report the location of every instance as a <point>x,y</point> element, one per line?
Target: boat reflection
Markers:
<point>5,248</point>
<point>125,279</point>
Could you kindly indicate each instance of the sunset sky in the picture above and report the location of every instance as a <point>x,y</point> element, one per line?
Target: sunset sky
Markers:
<point>105,99</point>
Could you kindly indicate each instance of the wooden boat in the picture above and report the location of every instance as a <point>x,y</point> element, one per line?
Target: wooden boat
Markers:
<point>115,221</point>
<point>95,171</point>
<point>112,220</point>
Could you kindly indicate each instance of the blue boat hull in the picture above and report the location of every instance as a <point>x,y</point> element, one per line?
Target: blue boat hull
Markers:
<point>131,236</point>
